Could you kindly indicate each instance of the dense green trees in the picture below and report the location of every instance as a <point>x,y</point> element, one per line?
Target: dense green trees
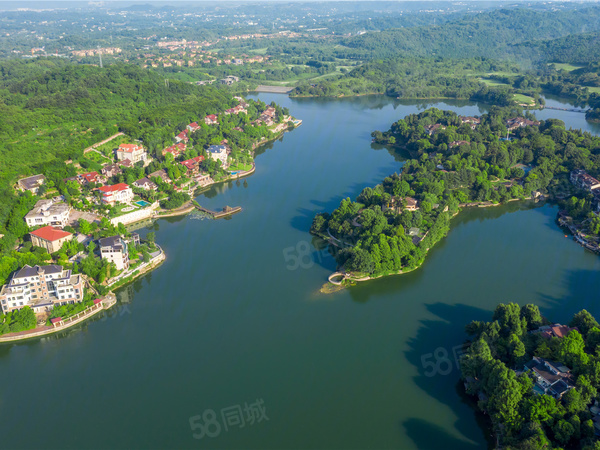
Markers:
<point>19,320</point>
<point>414,78</point>
<point>454,164</point>
<point>493,368</point>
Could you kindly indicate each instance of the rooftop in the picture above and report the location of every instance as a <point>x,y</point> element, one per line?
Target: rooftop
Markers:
<point>49,233</point>
<point>114,188</point>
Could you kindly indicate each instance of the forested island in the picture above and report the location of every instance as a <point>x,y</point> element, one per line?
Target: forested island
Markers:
<point>537,380</point>
<point>456,162</point>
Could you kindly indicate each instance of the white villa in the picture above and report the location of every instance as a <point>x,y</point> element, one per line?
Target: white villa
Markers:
<point>41,287</point>
<point>132,152</point>
<point>47,212</point>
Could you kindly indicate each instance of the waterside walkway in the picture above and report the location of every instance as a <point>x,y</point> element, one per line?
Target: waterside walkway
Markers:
<point>100,305</point>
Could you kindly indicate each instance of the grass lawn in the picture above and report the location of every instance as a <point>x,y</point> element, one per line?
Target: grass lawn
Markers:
<point>493,82</point>
<point>107,149</point>
<point>567,67</point>
<point>520,98</point>
<point>258,51</point>
<point>120,206</point>
<point>593,89</point>
<point>239,166</point>
<point>96,157</point>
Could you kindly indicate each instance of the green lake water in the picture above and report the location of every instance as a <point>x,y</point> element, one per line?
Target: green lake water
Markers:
<point>235,315</point>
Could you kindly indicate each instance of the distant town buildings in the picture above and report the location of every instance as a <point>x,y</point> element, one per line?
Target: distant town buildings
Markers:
<point>41,287</point>
<point>229,80</point>
<point>162,174</point>
<point>182,137</point>
<point>110,170</point>
<point>47,212</point>
<point>97,51</point>
<point>211,119</point>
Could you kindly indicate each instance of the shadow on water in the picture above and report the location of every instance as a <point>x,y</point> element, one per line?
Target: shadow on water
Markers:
<point>445,336</point>
<point>434,352</point>
<point>427,435</point>
<point>582,287</point>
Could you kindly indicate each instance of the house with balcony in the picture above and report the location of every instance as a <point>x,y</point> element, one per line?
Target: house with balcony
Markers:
<point>192,127</point>
<point>41,287</point>
<point>218,153</point>
<point>175,150</point>
<point>146,184</point>
<point>192,166</point>
<point>211,119</point>
<point>48,212</point>
<point>50,238</point>
<point>117,193</point>
<point>182,137</point>
<point>114,249</point>
<point>133,152</point>
<point>110,170</point>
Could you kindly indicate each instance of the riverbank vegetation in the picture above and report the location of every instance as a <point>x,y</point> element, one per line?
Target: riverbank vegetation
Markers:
<point>416,78</point>
<point>456,162</point>
<point>525,413</point>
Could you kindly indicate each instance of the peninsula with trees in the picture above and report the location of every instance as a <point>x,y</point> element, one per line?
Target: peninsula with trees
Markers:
<point>456,162</point>
<point>72,181</point>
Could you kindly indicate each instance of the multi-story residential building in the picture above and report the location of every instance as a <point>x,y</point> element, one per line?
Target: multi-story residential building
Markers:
<point>192,165</point>
<point>550,378</point>
<point>47,212</point>
<point>31,184</point>
<point>50,238</point>
<point>117,193</point>
<point>41,287</point>
<point>211,119</point>
<point>218,153</point>
<point>175,150</point>
<point>192,127</point>
<point>183,136</point>
<point>110,170</point>
<point>145,184</point>
<point>114,249</point>
<point>133,152</point>
<point>162,174</point>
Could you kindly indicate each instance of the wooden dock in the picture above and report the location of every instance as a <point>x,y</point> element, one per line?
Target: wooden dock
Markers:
<point>226,211</point>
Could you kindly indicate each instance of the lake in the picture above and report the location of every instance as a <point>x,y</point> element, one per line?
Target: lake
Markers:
<point>233,324</point>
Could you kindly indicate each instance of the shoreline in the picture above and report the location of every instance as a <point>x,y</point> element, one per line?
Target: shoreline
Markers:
<point>184,210</point>
<point>349,279</point>
<point>107,302</point>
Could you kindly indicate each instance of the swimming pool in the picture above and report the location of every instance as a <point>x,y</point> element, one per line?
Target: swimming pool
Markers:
<point>142,203</point>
